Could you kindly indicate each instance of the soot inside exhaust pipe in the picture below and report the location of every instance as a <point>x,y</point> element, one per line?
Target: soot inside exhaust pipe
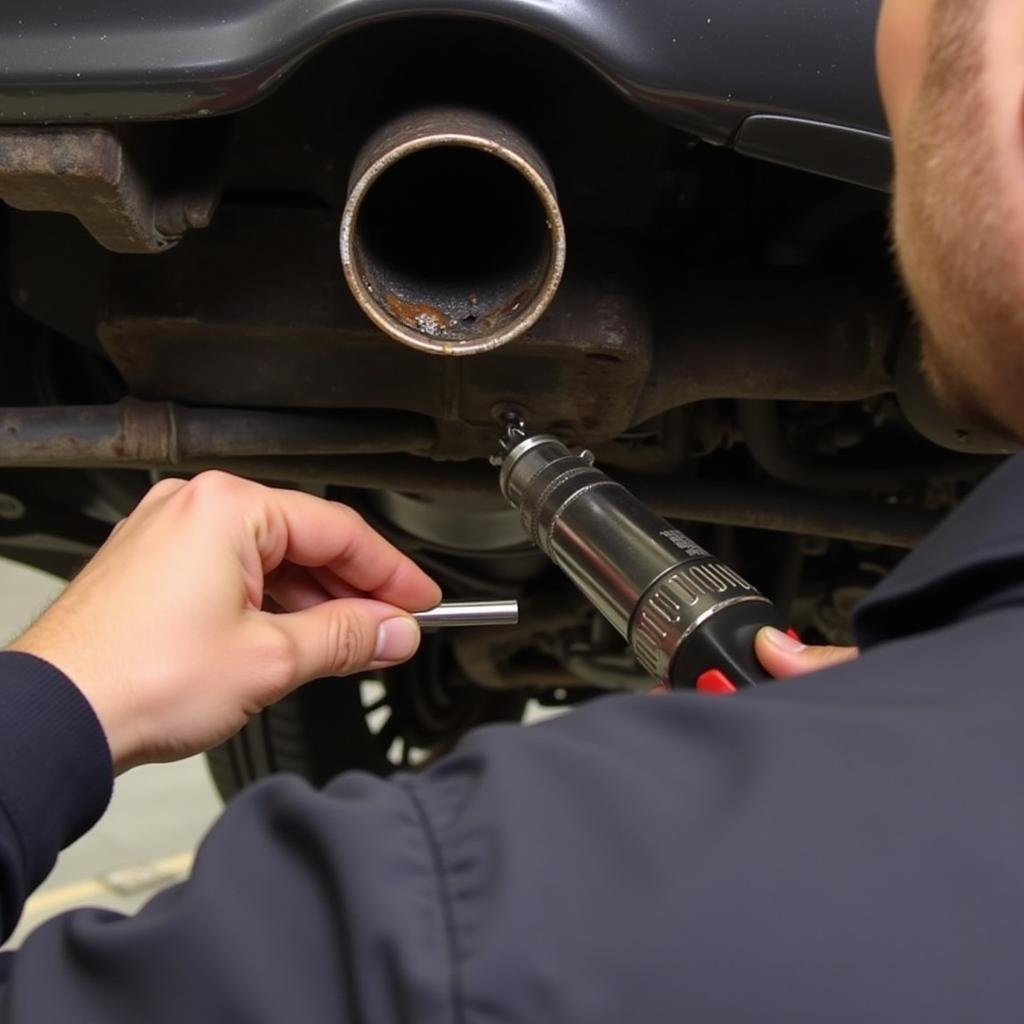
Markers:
<point>452,240</point>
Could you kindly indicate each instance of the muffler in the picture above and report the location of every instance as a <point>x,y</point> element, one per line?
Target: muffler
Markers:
<point>451,239</point>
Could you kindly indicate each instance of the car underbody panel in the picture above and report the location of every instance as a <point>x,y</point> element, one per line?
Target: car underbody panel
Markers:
<point>705,69</point>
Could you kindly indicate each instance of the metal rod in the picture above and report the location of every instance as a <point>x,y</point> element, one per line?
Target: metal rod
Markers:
<point>111,437</point>
<point>470,613</point>
<point>149,434</point>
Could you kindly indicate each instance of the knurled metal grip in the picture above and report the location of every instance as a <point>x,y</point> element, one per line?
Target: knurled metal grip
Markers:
<point>679,603</point>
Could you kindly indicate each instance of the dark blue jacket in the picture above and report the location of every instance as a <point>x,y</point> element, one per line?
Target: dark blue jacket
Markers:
<point>847,847</point>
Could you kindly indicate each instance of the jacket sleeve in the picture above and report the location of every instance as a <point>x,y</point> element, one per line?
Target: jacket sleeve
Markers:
<point>303,905</point>
<point>55,775</point>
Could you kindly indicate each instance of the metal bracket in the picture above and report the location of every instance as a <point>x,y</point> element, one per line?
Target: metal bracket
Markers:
<point>91,174</point>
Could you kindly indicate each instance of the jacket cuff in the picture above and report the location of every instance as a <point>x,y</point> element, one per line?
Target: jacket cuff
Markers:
<point>56,773</point>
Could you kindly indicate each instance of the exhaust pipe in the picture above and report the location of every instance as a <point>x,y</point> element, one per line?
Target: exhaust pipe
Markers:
<point>451,239</point>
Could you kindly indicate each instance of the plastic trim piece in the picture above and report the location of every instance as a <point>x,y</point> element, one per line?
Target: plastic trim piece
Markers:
<point>833,150</point>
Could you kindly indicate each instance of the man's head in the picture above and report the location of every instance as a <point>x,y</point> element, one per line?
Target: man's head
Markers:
<point>952,75</point>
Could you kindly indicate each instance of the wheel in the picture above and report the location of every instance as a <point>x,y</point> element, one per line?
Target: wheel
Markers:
<point>403,718</point>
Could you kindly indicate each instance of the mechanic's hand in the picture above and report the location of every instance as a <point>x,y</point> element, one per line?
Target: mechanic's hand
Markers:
<point>784,657</point>
<point>164,630</point>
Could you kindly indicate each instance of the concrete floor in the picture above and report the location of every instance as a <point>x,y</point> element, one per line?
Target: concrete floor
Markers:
<point>156,818</point>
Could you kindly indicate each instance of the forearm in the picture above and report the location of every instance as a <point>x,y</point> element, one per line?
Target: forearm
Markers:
<point>55,775</point>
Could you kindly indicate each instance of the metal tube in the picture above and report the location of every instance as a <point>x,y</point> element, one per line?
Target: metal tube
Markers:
<point>157,435</point>
<point>470,613</point>
<point>110,437</point>
<point>452,240</point>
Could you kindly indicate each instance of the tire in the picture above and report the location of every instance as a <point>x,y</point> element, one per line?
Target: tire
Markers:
<point>316,732</point>
<point>403,720</point>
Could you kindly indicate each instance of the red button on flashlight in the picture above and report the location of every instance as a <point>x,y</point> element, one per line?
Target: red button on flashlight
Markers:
<point>714,681</point>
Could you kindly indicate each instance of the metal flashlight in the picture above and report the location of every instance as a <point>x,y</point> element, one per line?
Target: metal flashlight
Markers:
<point>689,618</point>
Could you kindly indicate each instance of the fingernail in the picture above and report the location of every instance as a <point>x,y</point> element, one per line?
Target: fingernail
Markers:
<point>783,641</point>
<point>397,639</point>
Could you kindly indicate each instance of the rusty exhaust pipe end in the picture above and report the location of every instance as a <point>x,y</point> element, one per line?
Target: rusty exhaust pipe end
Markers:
<point>451,239</point>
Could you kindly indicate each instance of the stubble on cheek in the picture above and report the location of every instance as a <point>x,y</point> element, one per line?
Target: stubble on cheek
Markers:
<point>958,235</point>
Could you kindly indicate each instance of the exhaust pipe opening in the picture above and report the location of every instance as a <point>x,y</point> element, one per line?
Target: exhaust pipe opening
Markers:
<point>452,240</point>
<point>457,230</point>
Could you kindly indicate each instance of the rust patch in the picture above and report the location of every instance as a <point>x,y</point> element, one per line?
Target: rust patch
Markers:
<point>420,316</point>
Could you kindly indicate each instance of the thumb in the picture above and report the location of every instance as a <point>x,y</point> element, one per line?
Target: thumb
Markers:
<point>339,638</point>
<point>783,657</point>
